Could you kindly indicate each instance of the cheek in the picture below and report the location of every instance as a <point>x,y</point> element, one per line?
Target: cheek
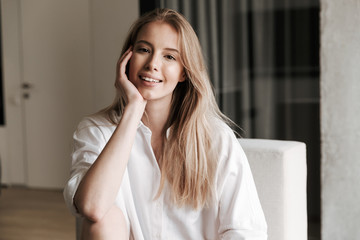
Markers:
<point>178,73</point>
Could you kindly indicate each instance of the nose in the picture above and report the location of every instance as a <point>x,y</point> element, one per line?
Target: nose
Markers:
<point>153,63</point>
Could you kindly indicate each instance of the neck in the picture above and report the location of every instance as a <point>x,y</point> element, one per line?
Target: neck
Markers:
<point>155,117</point>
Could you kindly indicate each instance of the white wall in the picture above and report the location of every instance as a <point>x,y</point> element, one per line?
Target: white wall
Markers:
<point>110,22</point>
<point>340,118</point>
<point>105,26</point>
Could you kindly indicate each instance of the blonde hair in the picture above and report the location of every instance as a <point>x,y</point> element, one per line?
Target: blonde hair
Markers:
<point>187,161</point>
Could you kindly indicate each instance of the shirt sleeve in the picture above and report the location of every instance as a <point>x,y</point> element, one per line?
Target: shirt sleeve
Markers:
<point>240,212</point>
<point>88,142</point>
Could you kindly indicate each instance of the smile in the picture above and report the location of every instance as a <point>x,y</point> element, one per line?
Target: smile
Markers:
<point>147,79</point>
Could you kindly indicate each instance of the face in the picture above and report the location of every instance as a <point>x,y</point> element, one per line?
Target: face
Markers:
<point>155,66</point>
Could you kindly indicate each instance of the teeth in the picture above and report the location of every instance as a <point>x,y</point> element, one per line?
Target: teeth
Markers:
<point>150,79</point>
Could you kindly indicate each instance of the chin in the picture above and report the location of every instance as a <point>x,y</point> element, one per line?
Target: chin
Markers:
<point>147,95</point>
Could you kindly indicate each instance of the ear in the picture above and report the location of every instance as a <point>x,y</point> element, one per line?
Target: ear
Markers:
<point>183,77</point>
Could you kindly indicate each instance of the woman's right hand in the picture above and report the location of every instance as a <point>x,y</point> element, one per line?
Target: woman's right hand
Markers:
<point>123,84</point>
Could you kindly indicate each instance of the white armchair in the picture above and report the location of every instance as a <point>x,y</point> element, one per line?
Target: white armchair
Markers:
<point>279,170</point>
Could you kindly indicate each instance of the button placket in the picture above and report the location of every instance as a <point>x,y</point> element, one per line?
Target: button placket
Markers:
<point>158,210</point>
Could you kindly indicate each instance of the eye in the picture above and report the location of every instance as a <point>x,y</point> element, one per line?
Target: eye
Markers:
<point>143,49</point>
<point>170,57</point>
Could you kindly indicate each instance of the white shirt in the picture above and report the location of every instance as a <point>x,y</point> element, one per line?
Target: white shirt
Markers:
<point>236,213</point>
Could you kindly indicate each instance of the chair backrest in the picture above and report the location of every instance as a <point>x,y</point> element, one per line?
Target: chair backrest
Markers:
<point>279,171</point>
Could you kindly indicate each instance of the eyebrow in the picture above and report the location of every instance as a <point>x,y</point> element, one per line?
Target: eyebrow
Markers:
<point>147,43</point>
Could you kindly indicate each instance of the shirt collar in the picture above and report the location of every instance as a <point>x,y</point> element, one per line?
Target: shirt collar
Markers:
<point>144,128</point>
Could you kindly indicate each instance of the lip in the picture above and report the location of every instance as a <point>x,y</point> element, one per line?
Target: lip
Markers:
<point>147,78</point>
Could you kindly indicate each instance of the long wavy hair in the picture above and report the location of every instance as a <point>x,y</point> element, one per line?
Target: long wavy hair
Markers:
<point>188,160</point>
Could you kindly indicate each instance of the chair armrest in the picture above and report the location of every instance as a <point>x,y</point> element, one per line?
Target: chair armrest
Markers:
<point>279,171</point>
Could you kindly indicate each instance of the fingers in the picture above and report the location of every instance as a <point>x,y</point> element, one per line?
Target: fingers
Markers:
<point>125,87</point>
<point>125,54</point>
<point>123,61</point>
<point>121,67</point>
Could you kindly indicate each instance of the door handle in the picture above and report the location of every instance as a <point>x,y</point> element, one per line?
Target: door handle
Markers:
<point>26,86</point>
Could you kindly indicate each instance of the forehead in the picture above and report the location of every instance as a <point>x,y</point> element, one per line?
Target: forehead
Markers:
<point>161,33</point>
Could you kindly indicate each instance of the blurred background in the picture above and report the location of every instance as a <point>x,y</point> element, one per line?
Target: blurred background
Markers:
<point>58,65</point>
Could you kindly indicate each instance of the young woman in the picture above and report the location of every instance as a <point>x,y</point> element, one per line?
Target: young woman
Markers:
<point>161,162</point>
